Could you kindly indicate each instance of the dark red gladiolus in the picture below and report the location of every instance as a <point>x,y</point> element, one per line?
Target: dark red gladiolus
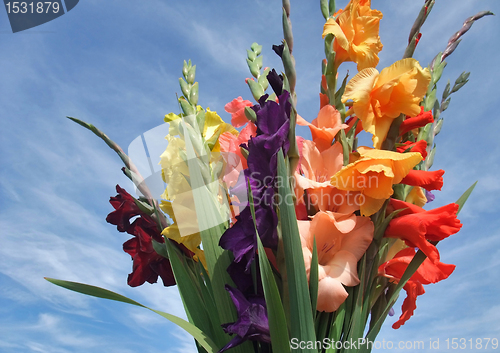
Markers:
<point>125,208</point>
<point>147,263</point>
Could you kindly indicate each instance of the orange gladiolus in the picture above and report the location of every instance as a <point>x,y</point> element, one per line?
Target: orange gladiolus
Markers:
<point>356,31</point>
<point>341,242</point>
<point>379,98</point>
<point>373,174</point>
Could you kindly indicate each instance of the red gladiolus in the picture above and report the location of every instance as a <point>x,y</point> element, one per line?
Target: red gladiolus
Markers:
<point>429,180</point>
<point>420,120</point>
<point>428,272</point>
<point>417,226</point>
<point>413,289</point>
<point>419,146</point>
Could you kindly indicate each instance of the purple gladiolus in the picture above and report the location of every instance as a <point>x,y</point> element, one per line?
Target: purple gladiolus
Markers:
<point>252,323</point>
<point>273,124</point>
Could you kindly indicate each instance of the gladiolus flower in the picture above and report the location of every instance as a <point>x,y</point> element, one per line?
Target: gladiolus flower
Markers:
<point>316,170</point>
<point>373,174</point>
<point>417,196</point>
<point>147,264</point>
<point>429,180</point>
<point>252,323</point>
<point>231,152</point>
<point>273,124</point>
<point>338,253</point>
<point>356,31</point>
<point>237,110</point>
<point>379,98</point>
<point>418,121</point>
<point>325,127</point>
<point>417,226</point>
<point>420,146</point>
<point>428,272</point>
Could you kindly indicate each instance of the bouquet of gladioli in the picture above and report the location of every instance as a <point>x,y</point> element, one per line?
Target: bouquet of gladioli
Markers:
<point>278,243</point>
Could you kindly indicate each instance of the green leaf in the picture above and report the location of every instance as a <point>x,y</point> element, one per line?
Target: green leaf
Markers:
<point>251,55</point>
<point>337,326</point>
<point>332,6</point>
<point>302,325</point>
<point>263,79</point>
<point>196,306</point>
<point>461,81</point>
<point>314,279</point>
<point>462,199</point>
<point>212,225</point>
<point>98,292</point>
<point>429,100</point>
<point>275,312</point>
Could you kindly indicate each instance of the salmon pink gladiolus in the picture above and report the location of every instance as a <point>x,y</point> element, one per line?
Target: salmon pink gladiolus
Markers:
<point>237,110</point>
<point>340,243</point>
<point>316,169</point>
<point>325,127</point>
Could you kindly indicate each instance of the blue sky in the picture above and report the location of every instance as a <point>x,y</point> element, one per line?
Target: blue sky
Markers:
<point>116,64</point>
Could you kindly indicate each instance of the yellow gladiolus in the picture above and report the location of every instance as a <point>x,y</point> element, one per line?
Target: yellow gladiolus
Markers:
<point>356,34</point>
<point>379,98</point>
<point>373,175</point>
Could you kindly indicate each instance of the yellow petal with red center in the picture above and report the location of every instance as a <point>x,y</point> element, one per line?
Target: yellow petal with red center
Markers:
<point>369,42</point>
<point>215,125</point>
<point>376,182</point>
<point>345,179</point>
<point>402,162</point>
